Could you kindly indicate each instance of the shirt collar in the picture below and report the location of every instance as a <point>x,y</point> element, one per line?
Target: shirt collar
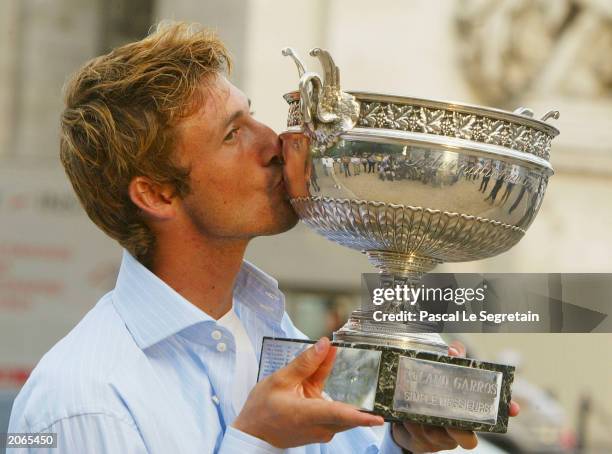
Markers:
<point>154,311</point>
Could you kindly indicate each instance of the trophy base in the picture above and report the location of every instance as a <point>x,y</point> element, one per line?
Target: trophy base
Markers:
<point>401,384</point>
<point>362,328</point>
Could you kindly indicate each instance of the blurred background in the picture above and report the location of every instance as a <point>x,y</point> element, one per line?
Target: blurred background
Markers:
<point>542,54</point>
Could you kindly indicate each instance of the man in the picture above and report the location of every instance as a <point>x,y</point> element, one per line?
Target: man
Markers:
<point>153,137</point>
<point>371,163</point>
<point>346,165</point>
<point>356,163</point>
<point>326,165</point>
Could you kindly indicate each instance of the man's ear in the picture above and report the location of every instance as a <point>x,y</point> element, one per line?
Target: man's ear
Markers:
<point>154,199</point>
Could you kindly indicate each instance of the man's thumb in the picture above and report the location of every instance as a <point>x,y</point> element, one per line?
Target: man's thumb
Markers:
<point>308,362</point>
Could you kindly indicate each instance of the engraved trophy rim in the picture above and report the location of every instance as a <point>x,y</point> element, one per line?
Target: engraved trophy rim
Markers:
<point>456,106</point>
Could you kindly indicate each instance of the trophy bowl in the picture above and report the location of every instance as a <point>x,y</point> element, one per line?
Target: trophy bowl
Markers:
<point>418,182</point>
<point>412,183</point>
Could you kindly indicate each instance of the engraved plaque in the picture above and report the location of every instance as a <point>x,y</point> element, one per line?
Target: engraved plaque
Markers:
<point>447,391</point>
<point>353,379</point>
<point>277,353</point>
<point>408,385</point>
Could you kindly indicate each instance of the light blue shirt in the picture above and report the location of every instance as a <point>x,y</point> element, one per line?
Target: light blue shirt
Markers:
<point>146,371</point>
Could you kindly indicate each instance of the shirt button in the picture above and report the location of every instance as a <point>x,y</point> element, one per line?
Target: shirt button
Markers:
<point>272,295</point>
<point>221,347</point>
<point>216,334</point>
<point>215,399</point>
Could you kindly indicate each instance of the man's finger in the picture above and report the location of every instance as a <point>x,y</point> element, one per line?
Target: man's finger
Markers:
<point>340,414</point>
<point>514,409</point>
<point>466,438</point>
<point>401,436</point>
<point>321,374</point>
<point>438,436</point>
<point>338,428</point>
<point>456,348</point>
<point>419,440</point>
<point>434,437</point>
<point>307,363</point>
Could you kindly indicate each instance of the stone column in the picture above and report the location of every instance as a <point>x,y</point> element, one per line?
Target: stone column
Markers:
<point>9,44</point>
<point>51,39</point>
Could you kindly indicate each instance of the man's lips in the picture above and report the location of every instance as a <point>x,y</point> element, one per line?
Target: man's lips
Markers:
<point>279,184</point>
<point>281,187</point>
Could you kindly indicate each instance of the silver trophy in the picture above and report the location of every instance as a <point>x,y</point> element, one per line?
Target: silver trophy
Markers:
<point>413,183</point>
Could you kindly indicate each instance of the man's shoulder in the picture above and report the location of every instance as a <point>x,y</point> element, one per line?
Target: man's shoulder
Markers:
<point>290,329</point>
<point>79,374</point>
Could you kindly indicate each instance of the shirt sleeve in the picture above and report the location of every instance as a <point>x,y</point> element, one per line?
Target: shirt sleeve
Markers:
<point>95,433</point>
<point>238,442</point>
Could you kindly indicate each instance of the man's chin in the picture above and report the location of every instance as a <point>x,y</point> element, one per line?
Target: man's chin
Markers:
<point>283,220</point>
<point>287,223</point>
<point>290,223</point>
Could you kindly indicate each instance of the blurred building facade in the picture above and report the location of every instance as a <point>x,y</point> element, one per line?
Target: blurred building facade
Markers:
<point>552,54</point>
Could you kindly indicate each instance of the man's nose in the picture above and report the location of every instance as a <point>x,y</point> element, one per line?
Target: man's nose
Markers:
<point>271,151</point>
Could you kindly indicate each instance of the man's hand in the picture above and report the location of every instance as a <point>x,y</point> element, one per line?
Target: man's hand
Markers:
<point>419,438</point>
<point>287,409</point>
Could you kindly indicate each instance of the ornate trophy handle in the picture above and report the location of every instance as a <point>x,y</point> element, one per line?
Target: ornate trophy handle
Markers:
<point>289,52</point>
<point>527,112</point>
<point>554,114</point>
<point>310,88</point>
<point>328,112</point>
<point>331,71</point>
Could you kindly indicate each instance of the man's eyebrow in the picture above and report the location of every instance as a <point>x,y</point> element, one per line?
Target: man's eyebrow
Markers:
<point>236,115</point>
<point>233,117</point>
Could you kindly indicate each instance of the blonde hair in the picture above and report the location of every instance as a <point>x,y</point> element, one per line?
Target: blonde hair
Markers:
<point>119,122</point>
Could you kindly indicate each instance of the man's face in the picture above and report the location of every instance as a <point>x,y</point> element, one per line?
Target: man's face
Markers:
<point>236,175</point>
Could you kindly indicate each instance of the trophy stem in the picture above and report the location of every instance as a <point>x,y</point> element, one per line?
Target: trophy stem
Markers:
<point>409,266</point>
<point>362,327</point>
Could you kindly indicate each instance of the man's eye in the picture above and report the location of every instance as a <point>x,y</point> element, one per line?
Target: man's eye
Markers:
<point>231,135</point>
